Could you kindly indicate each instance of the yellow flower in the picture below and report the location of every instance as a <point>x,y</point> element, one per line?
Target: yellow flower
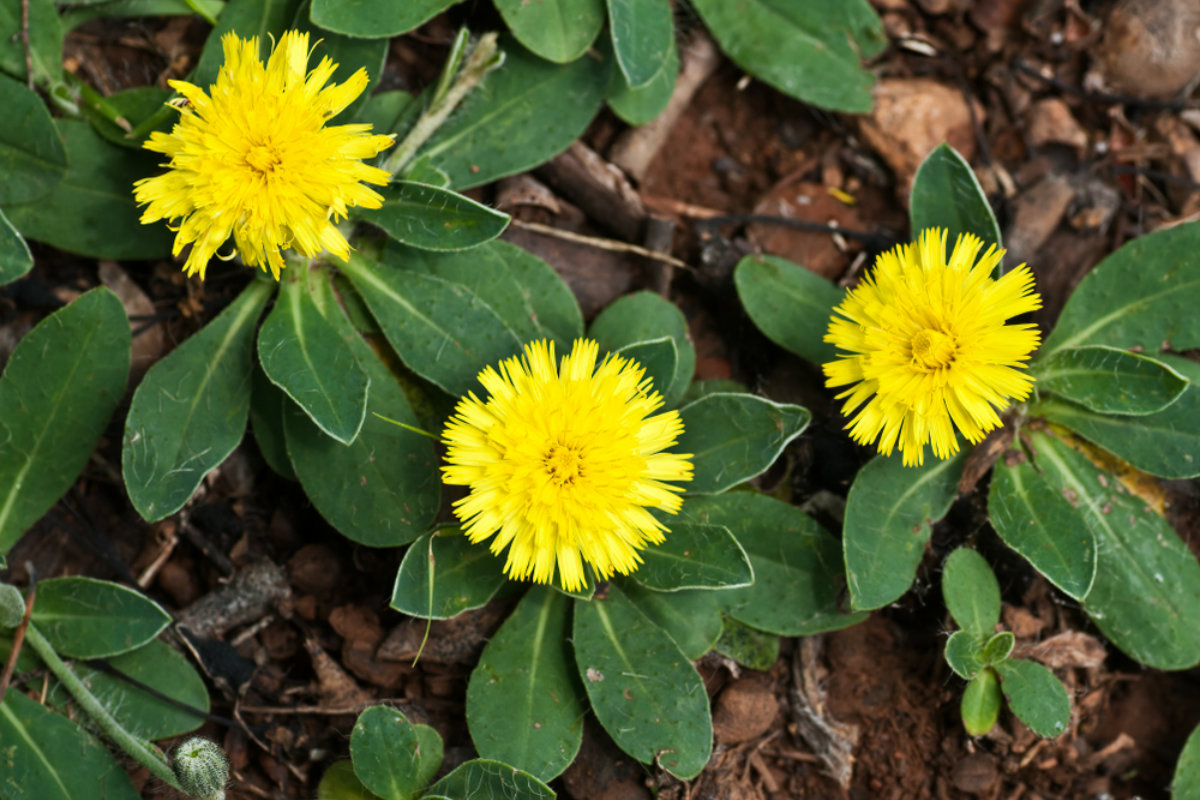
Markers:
<point>255,161</point>
<point>563,464</point>
<point>928,349</point>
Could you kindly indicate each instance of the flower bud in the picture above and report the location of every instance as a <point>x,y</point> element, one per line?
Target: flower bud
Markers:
<point>12,606</point>
<point>201,769</point>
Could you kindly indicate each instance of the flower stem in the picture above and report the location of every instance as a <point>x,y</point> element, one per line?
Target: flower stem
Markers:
<point>143,751</point>
<point>482,59</point>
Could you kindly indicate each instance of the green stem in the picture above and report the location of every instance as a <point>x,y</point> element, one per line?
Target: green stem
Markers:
<point>143,751</point>
<point>484,57</point>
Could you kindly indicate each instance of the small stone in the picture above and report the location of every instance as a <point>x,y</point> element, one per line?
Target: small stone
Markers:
<point>975,774</point>
<point>745,710</point>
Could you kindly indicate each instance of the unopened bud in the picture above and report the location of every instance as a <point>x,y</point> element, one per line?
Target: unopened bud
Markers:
<point>201,769</point>
<point>12,606</point>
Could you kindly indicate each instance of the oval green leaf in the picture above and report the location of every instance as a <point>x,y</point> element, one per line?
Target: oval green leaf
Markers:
<point>691,617</point>
<point>15,258</point>
<point>890,511</point>
<point>1035,519</point>
<point>644,691</point>
<point>524,290</point>
<point>557,30</point>
<point>340,783</point>
<point>1146,595</point>
<point>162,668</point>
<point>641,105</point>
<point>32,156</point>
<point>524,706</point>
<point>91,211</point>
<point>734,437</point>
<point>375,20</point>
<point>998,648</point>
<point>694,557</point>
<point>1186,783</point>
<point>971,592</point>
<point>1035,696</point>
<point>433,218</point>
<point>980,706</point>
<point>644,317</point>
<point>482,779</point>
<point>791,305</point>
<point>1110,381</point>
<point>641,32</point>
<point>1142,295</point>
<point>964,654</point>
<point>61,385</point>
<point>507,126</point>
<point>89,618</point>
<point>48,757</point>
<point>442,331</point>
<point>807,49</point>
<point>303,355</point>
<point>392,757</point>
<point>797,565</point>
<point>190,410</point>
<point>443,575</point>
<point>946,194</point>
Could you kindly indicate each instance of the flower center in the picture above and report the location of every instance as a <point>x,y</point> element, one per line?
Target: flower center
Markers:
<point>563,464</point>
<point>263,159</point>
<point>932,349</point>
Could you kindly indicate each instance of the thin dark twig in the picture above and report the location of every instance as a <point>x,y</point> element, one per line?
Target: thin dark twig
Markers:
<point>103,666</point>
<point>19,634</point>
<point>876,240</point>
<point>1099,97</point>
<point>1155,174</point>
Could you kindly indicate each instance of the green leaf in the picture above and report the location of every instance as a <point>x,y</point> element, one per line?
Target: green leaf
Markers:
<point>791,305</point>
<point>981,703</point>
<point>350,54</point>
<point>1110,381</point>
<point>797,565</point>
<point>641,32</point>
<point>157,665</point>
<point>557,30</point>
<point>32,157</point>
<point>433,218</point>
<point>48,757</point>
<point>482,779</point>
<point>807,49</point>
<point>304,356</point>
<point>340,783</point>
<point>58,391</point>
<point>946,194</point>
<point>694,557</point>
<point>524,290</point>
<point>691,617</point>
<point>267,405</point>
<point>643,690</point>
<point>134,106</point>
<point>658,357</point>
<point>890,511</point>
<point>523,702</point>
<point>190,410</point>
<point>1146,595</point>
<point>639,106</point>
<point>1142,295</point>
<point>749,647</point>
<point>15,258</point>
<point>644,317</point>
<point>393,758</point>
<point>734,437</point>
<point>998,648</point>
<point>506,125</point>
<point>89,618</point>
<point>92,212</point>
<point>77,14</point>
<point>442,331</point>
<point>45,41</point>
<point>1035,519</point>
<point>1166,443</point>
<point>964,654</point>
<point>1035,696</point>
<point>266,19</point>
<point>463,576</point>
<point>375,20</point>
<point>1186,783</point>
<point>971,592</point>
<point>382,490</point>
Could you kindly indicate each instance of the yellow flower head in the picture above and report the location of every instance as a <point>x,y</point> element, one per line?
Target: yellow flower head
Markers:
<point>927,347</point>
<point>563,464</point>
<point>253,159</point>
